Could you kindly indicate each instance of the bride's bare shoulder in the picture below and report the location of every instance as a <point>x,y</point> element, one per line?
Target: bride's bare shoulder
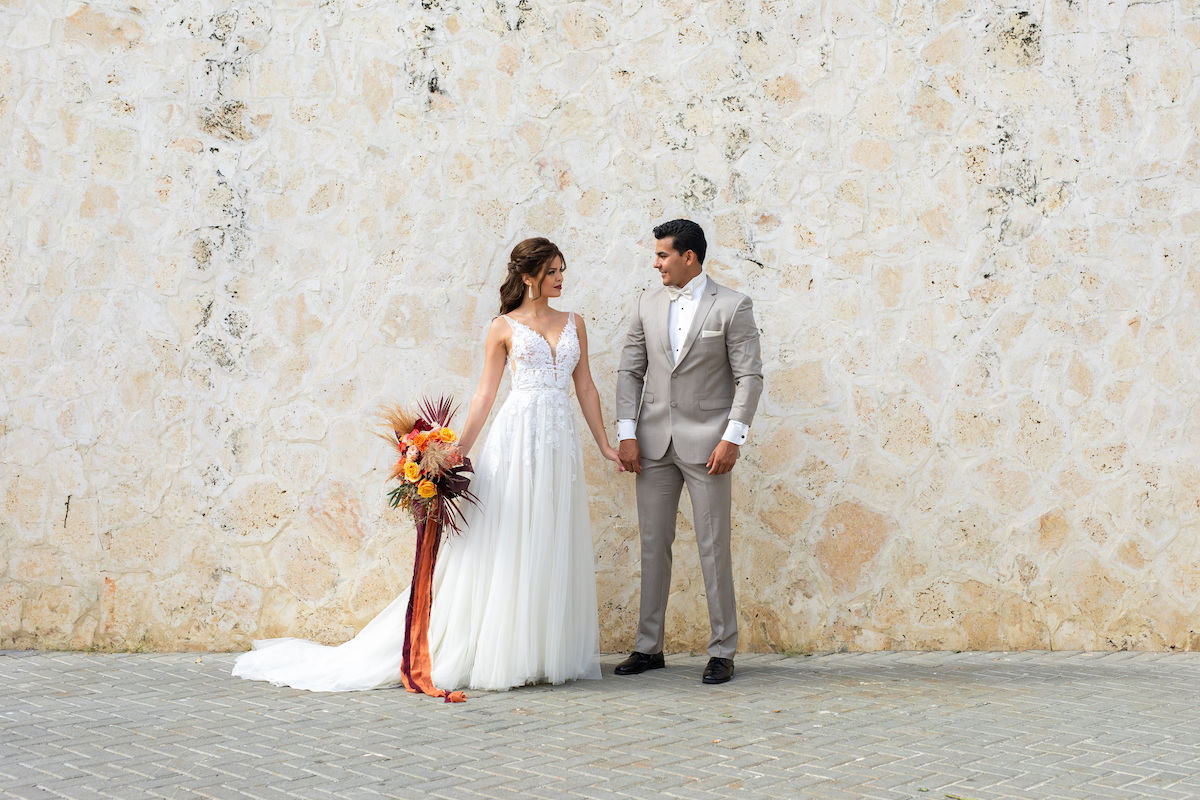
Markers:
<point>499,329</point>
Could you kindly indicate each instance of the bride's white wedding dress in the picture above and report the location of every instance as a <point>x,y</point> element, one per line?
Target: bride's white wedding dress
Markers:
<point>514,595</point>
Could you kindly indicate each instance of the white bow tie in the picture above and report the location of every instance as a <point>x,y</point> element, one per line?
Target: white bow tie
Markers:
<point>678,292</point>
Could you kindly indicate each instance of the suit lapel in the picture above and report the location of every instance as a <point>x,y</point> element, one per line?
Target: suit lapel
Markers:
<point>706,304</point>
<point>662,307</point>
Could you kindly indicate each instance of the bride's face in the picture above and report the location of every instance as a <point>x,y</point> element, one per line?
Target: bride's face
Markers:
<point>551,283</point>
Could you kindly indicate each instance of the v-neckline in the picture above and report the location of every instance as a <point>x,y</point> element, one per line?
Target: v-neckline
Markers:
<point>537,333</point>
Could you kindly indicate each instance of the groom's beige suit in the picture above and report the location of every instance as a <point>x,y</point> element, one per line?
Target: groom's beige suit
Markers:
<point>682,407</point>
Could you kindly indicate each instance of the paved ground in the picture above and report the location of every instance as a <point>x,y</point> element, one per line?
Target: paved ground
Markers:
<point>875,725</point>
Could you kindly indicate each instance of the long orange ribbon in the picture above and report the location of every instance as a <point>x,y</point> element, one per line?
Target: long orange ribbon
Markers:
<point>417,669</point>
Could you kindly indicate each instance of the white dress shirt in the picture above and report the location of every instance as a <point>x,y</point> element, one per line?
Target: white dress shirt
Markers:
<point>680,316</point>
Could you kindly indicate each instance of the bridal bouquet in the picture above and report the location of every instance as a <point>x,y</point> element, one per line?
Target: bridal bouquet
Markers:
<point>432,470</point>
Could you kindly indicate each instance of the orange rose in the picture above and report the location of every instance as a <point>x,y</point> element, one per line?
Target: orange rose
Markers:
<point>448,436</point>
<point>412,471</point>
<point>420,439</point>
<point>426,489</point>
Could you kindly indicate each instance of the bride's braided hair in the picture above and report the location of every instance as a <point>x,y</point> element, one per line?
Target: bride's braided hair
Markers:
<point>529,258</point>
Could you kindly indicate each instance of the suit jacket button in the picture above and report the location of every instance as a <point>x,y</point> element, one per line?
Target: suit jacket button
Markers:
<point>674,404</point>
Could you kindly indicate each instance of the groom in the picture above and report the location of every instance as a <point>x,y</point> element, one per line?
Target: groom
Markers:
<point>687,387</point>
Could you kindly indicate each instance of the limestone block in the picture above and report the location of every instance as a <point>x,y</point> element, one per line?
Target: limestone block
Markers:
<point>374,588</point>
<point>1003,615</point>
<point>1095,591</point>
<point>299,421</point>
<point>96,30</point>
<point>182,605</point>
<point>149,546</point>
<point>113,152</point>
<point>242,601</point>
<point>851,536</point>
<point>296,464</point>
<point>124,610</point>
<point>1106,459</point>
<point>12,596</point>
<point>53,613</point>
<point>786,514</point>
<point>27,505</point>
<point>1176,565</point>
<point>904,429</point>
<point>976,429</point>
<point>33,566</point>
<point>1005,483</point>
<point>322,623</point>
<point>585,28</point>
<point>305,569</point>
<point>277,617</point>
<point>334,513</point>
<point>880,479</point>
<point>1039,436</point>
<point>800,387</point>
<point>1018,41</point>
<point>255,509</point>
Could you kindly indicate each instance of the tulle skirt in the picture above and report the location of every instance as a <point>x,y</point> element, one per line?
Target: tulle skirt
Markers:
<point>514,595</point>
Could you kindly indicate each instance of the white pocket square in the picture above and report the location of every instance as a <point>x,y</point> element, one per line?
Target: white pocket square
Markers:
<point>707,334</point>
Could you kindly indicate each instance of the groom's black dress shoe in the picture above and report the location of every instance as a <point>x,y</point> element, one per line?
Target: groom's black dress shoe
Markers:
<point>638,663</point>
<point>719,670</point>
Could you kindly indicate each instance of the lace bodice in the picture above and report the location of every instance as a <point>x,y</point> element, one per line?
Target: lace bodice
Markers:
<point>534,364</point>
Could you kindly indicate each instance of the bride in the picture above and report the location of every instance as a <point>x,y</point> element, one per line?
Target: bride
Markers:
<point>514,594</point>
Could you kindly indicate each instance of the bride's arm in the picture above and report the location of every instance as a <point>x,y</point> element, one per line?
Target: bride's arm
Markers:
<point>589,398</point>
<point>495,351</point>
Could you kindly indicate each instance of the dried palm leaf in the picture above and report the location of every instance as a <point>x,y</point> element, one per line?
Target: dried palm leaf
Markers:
<point>398,422</point>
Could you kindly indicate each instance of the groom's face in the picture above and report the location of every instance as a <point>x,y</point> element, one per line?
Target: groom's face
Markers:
<point>676,268</point>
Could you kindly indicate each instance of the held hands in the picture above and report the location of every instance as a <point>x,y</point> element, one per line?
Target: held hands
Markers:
<point>612,455</point>
<point>630,456</point>
<point>722,459</point>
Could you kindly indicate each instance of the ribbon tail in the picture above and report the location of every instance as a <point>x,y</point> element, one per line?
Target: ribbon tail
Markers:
<point>417,669</point>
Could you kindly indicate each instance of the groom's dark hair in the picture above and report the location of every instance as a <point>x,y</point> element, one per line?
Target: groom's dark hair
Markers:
<point>685,235</point>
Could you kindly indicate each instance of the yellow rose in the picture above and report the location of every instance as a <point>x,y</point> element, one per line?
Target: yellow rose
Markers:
<point>448,436</point>
<point>412,471</point>
<point>426,489</point>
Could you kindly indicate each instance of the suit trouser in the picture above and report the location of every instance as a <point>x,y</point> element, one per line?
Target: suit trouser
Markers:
<point>658,490</point>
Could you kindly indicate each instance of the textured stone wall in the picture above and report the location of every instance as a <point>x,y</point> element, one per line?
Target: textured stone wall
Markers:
<point>232,228</point>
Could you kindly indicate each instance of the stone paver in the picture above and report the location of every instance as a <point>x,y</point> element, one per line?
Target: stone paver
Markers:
<point>980,726</point>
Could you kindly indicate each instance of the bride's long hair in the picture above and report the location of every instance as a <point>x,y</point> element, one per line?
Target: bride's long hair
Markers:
<point>530,258</point>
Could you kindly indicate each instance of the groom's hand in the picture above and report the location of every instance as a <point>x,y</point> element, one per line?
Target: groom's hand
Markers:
<point>723,457</point>
<point>630,455</point>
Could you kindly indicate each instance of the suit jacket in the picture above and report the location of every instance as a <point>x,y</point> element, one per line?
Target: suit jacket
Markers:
<point>718,377</point>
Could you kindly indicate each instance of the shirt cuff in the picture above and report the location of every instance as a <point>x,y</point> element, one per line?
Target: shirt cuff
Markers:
<point>626,429</point>
<point>736,432</point>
